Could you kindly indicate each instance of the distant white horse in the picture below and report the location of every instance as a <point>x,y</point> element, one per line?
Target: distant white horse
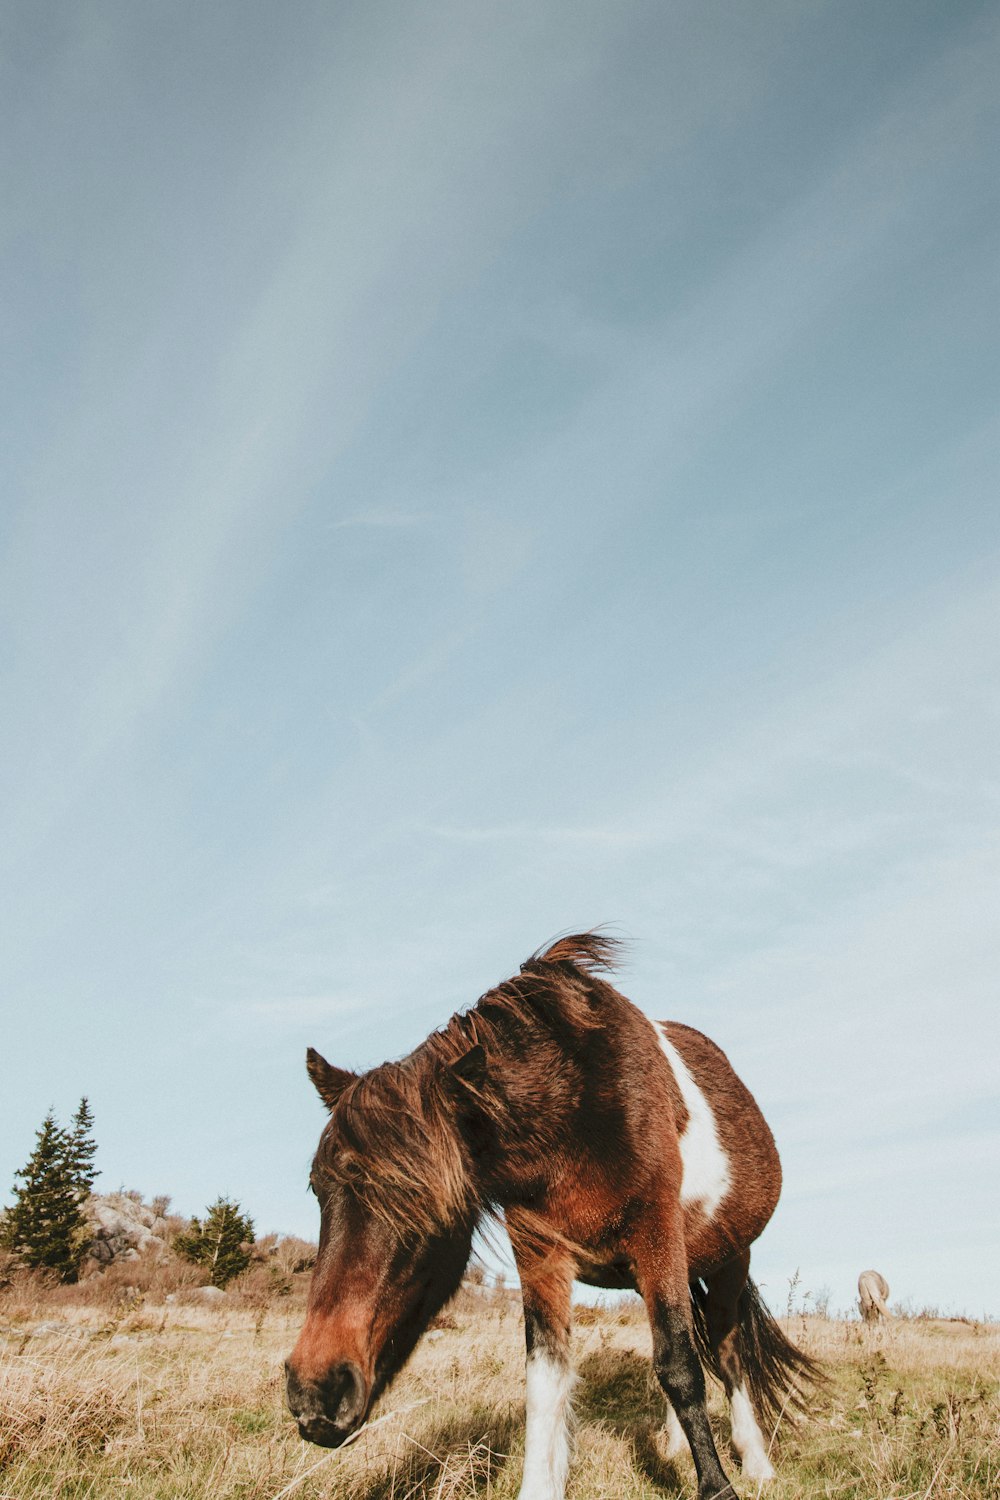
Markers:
<point>873,1293</point>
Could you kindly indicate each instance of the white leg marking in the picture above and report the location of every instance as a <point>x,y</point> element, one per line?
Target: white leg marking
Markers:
<point>747,1438</point>
<point>673,1443</point>
<point>546,1437</point>
<point>705,1165</point>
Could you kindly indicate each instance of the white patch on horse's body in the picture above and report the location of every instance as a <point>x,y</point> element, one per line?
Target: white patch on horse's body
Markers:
<point>705,1178</point>
<point>546,1438</point>
<point>748,1440</point>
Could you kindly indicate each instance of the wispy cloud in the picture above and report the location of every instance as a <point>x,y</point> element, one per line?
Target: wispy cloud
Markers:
<point>382,520</point>
<point>539,833</point>
<point>299,1010</point>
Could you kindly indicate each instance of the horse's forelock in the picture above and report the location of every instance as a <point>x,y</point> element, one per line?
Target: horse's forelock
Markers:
<point>393,1139</point>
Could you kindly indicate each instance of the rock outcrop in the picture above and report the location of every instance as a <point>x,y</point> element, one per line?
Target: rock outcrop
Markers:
<point>123,1228</point>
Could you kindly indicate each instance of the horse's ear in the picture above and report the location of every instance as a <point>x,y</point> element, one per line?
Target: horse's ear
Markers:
<point>329,1082</point>
<point>471,1066</point>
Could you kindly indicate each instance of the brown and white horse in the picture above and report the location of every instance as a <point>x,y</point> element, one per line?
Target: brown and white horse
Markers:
<point>620,1151</point>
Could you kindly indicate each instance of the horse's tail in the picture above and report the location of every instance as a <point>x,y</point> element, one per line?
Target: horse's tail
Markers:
<point>780,1377</point>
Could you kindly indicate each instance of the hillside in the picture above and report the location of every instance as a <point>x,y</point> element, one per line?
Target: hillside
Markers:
<point>160,1401</point>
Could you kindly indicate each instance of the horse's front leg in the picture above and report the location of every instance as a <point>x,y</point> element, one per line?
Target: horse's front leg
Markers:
<point>546,1286</point>
<point>661,1267</point>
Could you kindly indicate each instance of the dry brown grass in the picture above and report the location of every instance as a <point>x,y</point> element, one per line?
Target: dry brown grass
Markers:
<point>172,1401</point>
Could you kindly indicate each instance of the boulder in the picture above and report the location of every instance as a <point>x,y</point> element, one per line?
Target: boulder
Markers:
<point>212,1295</point>
<point>122,1228</point>
<point>207,1296</point>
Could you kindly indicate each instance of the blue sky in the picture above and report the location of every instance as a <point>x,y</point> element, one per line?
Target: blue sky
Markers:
<point>472,472</point>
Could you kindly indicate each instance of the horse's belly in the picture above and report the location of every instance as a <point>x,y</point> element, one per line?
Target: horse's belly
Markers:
<point>615,1275</point>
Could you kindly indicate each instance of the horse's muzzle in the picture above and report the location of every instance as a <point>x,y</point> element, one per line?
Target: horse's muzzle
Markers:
<point>328,1411</point>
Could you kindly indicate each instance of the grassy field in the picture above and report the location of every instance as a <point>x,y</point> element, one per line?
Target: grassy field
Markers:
<point>172,1402</point>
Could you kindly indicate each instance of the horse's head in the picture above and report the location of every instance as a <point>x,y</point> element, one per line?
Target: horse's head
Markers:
<point>397,1215</point>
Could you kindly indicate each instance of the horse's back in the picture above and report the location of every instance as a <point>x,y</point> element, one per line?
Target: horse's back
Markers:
<point>731,1171</point>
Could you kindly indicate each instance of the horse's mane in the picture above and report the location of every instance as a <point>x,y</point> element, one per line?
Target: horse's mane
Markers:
<point>595,952</point>
<point>393,1135</point>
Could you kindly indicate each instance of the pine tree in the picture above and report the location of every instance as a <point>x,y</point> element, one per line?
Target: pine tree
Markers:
<point>222,1243</point>
<point>45,1226</point>
<point>81,1149</point>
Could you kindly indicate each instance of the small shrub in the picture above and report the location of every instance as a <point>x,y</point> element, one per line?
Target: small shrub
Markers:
<point>223,1244</point>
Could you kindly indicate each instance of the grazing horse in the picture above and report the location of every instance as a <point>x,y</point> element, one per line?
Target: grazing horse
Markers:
<point>873,1296</point>
<point>620,1151</point>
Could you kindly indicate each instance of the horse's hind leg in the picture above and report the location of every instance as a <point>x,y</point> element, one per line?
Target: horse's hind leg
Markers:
<point>722,1319</point>
<point>673,1443</point>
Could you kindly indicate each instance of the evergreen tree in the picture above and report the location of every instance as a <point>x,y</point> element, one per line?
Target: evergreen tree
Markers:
<point>45,1226</point>
<point>222,1244</point>
<point>81,1149</point>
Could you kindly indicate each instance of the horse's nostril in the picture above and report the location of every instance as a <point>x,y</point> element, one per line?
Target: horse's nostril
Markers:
<point>295,1392</point>
<point>349,1402</point>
